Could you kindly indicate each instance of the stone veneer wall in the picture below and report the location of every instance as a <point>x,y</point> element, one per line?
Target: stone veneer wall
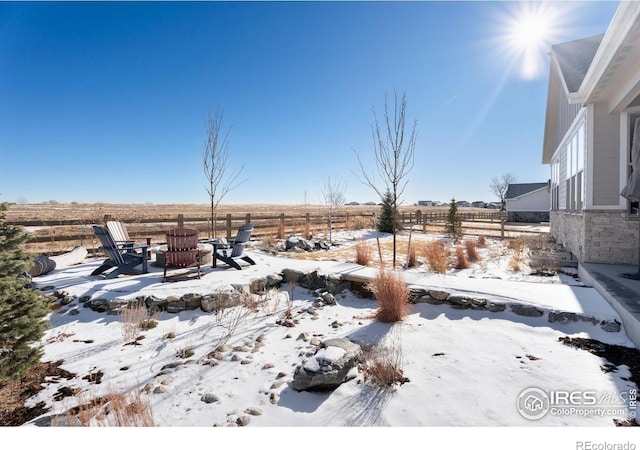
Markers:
<point>568,229</point>
<point>594,236</point>
<point>612,237</point>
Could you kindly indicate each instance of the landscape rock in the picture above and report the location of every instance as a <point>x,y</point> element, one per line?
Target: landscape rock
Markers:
<point>496,307</point>
<point>192,301</point>
<point>526,310</point>
<point>438,295</point>
<point>176,307</point>
<point>253,411</point>
<point>611,326</point>
<point>292,276</point>
<point>328,299</point>
<point>329,367</point>
<point>210,398</point>
<point>106,305</point>
<point>243,421</point>
<point>565,317</point>
<point>220,300</point>
<point>459,301</point>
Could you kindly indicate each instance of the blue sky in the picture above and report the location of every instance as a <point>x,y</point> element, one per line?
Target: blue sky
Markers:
<point>107,102</point>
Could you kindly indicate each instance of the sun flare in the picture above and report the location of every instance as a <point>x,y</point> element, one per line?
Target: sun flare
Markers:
<point>528,33</point>
<point>530,30</point>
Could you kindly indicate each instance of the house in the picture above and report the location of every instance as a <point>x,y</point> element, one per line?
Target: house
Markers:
<point>593,105</point>
<point>527,202</point>
<point>479,204</point>
<point>463,204</point>
<point>425,203</point>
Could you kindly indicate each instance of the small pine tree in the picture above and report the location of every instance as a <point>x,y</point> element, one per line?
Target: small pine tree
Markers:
<point>453,225</point>
<point>385,221</point>
<point>22,309</point>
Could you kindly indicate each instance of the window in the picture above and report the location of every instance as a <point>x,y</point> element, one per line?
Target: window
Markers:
<point>633,206</point>
<point>555,185</point>
<point>574,184</point>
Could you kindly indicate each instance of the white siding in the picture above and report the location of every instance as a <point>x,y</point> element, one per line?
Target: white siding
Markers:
<point>533,201</point>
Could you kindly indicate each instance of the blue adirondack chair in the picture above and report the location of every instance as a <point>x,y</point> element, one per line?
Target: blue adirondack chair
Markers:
<point>235,250</point>
<point>123,259</point>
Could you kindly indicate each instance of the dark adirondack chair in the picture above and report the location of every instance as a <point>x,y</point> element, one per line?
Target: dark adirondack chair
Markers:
<point>182,250</point>
<point>235,249</point>
<point>122,258</point>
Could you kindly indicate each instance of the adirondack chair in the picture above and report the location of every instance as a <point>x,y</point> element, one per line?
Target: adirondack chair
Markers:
<point>235,249</point>
<point>122,258</point>
<point>119,232</point>
<point>182,250</point>
<point>121,236</point>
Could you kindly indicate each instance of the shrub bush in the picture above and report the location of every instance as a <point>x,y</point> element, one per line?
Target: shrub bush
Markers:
<point>461,259</point>
<point>382,364</point>
<point>472,250</point>
<point>363,253</point>
<point>391,291</point>
<point>412,260</point>
<point>436,254</point>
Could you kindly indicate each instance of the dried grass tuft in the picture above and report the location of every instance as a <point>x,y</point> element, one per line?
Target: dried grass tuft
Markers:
<point>364,252</point>
<point>471,246</point>
<point>461,259</point>
<point>391,291</point>
<point>382,364</point>
<point>436,254</point>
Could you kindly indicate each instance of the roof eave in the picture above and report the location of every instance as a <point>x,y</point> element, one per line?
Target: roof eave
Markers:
<point>624,18</point>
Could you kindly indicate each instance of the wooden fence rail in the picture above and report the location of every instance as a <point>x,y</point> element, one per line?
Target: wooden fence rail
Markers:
<point>57,236</point>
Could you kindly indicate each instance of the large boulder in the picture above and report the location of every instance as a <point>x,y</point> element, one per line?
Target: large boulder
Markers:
<point>334,363</point>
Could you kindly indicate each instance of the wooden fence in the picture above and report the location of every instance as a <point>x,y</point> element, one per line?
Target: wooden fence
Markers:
<point>57,236</point>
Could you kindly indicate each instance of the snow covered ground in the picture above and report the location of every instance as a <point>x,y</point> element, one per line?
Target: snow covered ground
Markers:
<point>466,367</point>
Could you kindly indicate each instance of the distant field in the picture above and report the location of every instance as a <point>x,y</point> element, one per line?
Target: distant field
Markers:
<point>131,212</point>
<point>56,228</point>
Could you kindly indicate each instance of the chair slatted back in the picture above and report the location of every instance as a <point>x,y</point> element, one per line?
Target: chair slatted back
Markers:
<point>239,244</point>
<point>118,231</point>
<point>182,247</point>
<point>108,244</point>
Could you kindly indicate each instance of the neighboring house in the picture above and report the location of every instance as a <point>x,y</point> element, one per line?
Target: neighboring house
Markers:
<point>479,204</point>
<point>425,203</point>
<point>527,202</point>
<point>593,102</point>
<point>463,204</point>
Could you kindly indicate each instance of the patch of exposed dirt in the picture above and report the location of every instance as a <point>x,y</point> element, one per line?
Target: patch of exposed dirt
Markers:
<point>14,393</point>
<point>616,355</point>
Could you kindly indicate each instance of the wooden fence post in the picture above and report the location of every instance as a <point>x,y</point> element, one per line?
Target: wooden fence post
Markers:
<point>228,227</point>
<point>107,217</point>
<point>180,220</point>
<point>281,231</point>
<point>248,218</point>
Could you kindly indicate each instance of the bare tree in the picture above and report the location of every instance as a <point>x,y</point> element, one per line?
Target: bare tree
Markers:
<point>333,194</point>
<point>393,152</point>
<point>216,162</point>
<point>500,185</point>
